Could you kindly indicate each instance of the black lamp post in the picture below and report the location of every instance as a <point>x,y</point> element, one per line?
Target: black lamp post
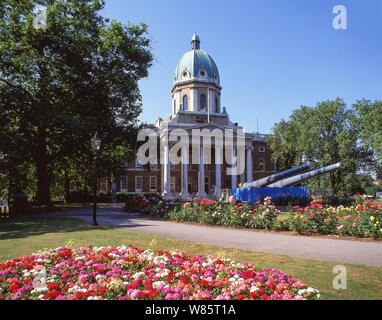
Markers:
<point>96,144</point>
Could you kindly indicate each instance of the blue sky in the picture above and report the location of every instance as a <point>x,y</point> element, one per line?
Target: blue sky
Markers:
<point>273,55</point>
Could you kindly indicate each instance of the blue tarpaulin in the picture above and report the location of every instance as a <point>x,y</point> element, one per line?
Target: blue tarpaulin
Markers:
<point>252,195</point>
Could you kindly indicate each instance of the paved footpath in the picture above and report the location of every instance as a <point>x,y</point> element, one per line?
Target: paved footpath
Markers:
<point>342,251</point>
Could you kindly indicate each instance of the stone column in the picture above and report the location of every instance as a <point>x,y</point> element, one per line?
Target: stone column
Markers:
<point>166,172</point>
<point>194,99</point>
<point>212,101</point>
<point>218,172</point>
<point>185,192</point>
<point>249,164</point>
<point>201,180</point>
<point>208,100</point>
<point>179,101</point>
<point>234,168</point>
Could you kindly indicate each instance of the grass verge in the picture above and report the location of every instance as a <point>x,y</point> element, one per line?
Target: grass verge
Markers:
<point>21,236</point>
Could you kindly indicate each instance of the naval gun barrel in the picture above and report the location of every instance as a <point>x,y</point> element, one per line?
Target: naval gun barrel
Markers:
<point>306,176</point>
<point>279,176</point>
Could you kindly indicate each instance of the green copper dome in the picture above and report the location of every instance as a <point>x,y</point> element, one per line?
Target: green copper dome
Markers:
<point>196,64</point>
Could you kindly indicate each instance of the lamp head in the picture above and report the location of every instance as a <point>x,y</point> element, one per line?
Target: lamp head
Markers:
<point>96,142</point>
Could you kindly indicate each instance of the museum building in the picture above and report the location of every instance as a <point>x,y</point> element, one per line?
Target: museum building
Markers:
<point>196,104</point>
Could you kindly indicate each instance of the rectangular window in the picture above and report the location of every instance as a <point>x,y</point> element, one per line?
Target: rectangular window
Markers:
<point>261,149</point>
<point>125,164</point>
<point>153,184</point>
<point>172,184</point>
<point>103,185</point>
<point>123,183</point>
<point>261,165</point>
<point>138,184</point>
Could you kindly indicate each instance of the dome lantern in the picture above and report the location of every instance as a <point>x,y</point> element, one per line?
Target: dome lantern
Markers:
<point>195,42</point>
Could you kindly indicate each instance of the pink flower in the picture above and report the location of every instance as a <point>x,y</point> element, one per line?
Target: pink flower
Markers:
<point>135,294</point>
<point>340,227</point>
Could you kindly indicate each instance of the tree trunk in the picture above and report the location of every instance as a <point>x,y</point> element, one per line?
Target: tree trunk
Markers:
<point>67,187</point>
<point>333,183</point>
<point>43,183</point>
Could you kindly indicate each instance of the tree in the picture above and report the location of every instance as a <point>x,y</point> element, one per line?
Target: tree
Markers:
<point>360,184</point>
<point>369,124</point>
<point>325,134</point>
<point>281,143</point>
<point>61,84</point>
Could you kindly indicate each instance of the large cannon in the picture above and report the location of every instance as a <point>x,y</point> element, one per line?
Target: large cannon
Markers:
<point>306,176</point>
<point>279,176</point>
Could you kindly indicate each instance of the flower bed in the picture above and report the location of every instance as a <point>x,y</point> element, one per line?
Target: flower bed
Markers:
<point>127,273</point>
<point>142,204</point>
<point>135,204</point>
<point>363,220</point>
<point>261,215</point>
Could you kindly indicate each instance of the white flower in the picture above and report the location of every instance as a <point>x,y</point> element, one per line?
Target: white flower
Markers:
<point>81,258</point>
<point>74,289</point>
<point>40,290</point>
<point>157,283</point>
<point>138,275</point>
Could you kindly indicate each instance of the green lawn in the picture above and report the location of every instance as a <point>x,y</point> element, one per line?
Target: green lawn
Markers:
<point>26,235</point>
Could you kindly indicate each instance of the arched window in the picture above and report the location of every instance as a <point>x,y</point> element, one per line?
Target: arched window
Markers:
<point>203,102</point>
<point>217,105</point>
<point>174,106</point>
<point>185,102</point>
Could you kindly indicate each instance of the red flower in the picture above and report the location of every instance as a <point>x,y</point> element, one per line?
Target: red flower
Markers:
<point>185,280</point>
<point>14,287</point>
<point>53,286</point>
<point>82,295</point>
<point>248,274</point>
<point>272,286</point>
<point>253,296</point>
<point>65,253</point>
